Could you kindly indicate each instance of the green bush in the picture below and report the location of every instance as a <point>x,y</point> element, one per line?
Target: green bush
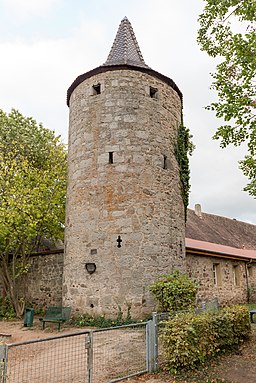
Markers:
<point>190,339</point>
<point>6,309</point>
<point>174,292</point>
<point>101,321</point>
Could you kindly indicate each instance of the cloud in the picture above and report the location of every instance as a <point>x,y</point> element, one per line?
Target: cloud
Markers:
<point>22,10</point>
<point>35,75</point>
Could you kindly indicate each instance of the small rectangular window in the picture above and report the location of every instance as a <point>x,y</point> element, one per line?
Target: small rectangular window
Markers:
<point>111,157</point>
<point>165,162</point>
<point>96,89</point>
<point>250,271</point>
<point>216,274</point>
<point>153,92</point>
<point>236,275</point>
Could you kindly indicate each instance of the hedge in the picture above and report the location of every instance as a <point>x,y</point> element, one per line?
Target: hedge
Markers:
<point>190,339</point>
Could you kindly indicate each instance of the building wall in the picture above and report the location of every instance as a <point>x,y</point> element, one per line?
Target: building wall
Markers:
<point>44,280</point>
<point>229,284</point>
<point>134,198</point>
<point>252,281</point>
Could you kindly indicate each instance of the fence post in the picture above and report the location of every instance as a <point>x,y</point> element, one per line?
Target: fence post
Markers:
<point>89,348</point>
<point>3,362</point>
<point>155,340</point>
<point>152,344</point>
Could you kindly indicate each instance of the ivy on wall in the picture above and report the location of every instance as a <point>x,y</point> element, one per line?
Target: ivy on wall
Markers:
<point>184,148</point>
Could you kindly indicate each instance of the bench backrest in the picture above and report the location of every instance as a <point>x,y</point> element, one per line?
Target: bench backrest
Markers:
<point>58,312</point>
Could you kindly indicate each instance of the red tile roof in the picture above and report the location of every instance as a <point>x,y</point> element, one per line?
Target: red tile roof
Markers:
<point>213,235</point>
<point>214,249</point>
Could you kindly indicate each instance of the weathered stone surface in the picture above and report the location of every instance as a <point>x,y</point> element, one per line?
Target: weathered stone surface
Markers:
<point>44,280</point>
<point>134,197</point>
<point>201,268</point>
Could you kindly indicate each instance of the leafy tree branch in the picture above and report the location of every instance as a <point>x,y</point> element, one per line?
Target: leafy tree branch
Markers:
<point>227,31</point>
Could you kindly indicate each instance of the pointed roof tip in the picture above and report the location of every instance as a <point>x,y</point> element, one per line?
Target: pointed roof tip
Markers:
<point>125,49</point>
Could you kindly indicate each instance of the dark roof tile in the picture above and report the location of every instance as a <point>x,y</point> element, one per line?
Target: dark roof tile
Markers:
<point>220,230</point>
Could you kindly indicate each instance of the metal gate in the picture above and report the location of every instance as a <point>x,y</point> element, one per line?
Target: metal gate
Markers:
<point>97,356</point>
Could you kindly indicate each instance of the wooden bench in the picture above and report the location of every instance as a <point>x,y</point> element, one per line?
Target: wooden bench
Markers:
<point>252,312</point>
<point>57,315</point>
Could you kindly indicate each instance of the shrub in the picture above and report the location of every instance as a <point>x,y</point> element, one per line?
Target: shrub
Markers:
<point>174,292</point>
<point>103,322</point>
<point>190,339</point>
<point>232,325</point>
<point>6,309</point>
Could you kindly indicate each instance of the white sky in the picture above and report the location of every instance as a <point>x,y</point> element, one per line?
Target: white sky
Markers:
<point>46,44</point>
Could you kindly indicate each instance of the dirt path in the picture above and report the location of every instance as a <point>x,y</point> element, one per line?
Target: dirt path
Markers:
<point>19,333</point>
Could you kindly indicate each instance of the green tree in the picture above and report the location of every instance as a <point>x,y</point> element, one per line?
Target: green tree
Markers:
<point>227,31</point>
<point>32,197</point>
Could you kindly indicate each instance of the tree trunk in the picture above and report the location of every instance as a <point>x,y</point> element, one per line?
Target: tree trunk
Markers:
<point>10,287</point>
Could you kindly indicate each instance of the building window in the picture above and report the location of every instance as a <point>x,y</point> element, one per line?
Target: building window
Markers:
<point>153,92</point>
<point>250,271</point>
<point>111,157</point>
<point>96,89</point>
<point>216,274</point>
<point>236,275</point>
<point>165,162</point>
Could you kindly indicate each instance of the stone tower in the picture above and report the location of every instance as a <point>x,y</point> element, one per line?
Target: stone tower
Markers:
<point>125,216</point>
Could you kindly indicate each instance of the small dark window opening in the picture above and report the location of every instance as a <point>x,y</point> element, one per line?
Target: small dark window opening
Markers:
<point>111,157</point>
<point>92,305</point>
<point>96,89</point>
<point>153,92</point>
<point>165,162</point>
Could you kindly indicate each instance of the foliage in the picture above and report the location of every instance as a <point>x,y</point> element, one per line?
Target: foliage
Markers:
<point>191,339</point>
<point>174,292</point>
<point>32,195</point>
<point>101,321</point>
<point>183,148</point>
<point>227,31</point>
<point>6,309</point>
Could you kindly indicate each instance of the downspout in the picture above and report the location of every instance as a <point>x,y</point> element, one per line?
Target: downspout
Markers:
<point>247,280</point>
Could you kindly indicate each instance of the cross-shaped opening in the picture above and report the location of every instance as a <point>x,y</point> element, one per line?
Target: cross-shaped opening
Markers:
<point>119,241</point>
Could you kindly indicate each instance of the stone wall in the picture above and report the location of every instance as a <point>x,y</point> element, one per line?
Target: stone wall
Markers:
<point>251,272</point>
<point>230,282</point>
<point>44,280</point>
<point>123,181</point>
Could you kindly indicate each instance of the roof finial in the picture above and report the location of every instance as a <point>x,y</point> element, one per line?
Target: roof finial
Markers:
<point>125,49</point>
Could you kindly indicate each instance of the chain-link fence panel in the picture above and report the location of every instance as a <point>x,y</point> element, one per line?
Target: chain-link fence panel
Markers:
<point>119,352</point>
<point>97,356</point>
<point>61,359</point>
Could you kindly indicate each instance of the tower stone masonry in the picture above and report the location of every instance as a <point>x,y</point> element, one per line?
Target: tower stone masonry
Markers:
<point>125,222</point>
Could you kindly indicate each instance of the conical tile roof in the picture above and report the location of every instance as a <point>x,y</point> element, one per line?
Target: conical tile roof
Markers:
<point>125,49</point>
